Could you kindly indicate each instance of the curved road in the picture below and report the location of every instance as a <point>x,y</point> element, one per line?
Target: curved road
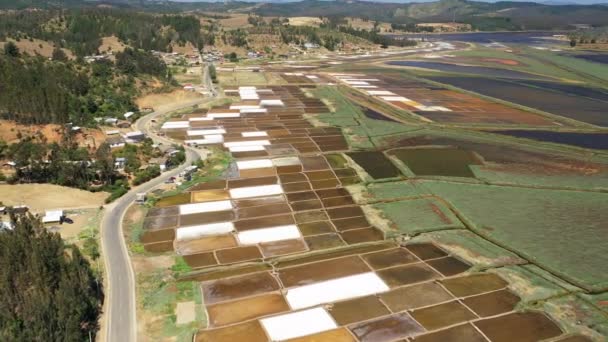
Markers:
<point>120,292</point>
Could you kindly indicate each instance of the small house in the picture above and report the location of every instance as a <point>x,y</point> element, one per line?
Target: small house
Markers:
<point>127,115</point>
<point>116,142</point>
<point>119,163</point>
<point>52,216</point>
<point>110,121</point>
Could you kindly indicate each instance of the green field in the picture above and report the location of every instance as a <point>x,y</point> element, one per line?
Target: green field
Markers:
<point>557,230</point>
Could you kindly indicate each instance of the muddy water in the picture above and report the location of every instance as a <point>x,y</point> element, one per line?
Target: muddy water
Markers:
<point>292,178</point>
<point>325,184</point>
<point>174,200</point>
<point>244,203</point>
<point>345,212</point>
<point>220,290</point>
<point>159,247</point>
<point>415,296</point>
<point>284,247</point>
<point>151,236</point>
<point>315,228</point>
<point>205,244</point>
<point>362,235</point>
<point>492,303</point>
<point>165,211</point>
<point>443,315</point>
<point>357,310</point>
<point>337,201</point>
<point>389,258</point>
<point>449,266</point>
<point>351,223</point>
<point>320,175</point>
<point>311,216</point>
<point>336,335</point>
<point>474,284</point>
<point>389,328</point>
<point>438,161</point>
<point>250,331</point>
<point>320,271</point>
<point>200,260</point>
<point>295,187</point>
<point>264,222</point>
<point>325,241</point>
<point>521,327</point>
<point>264,210</point>
<point>375,164</point>
<point>460,333</point>
<point>342,252</point>
<point>336,161</point>
<point>408,274</point>
<point>306,205</point>
<point>342,173</point>
<point>314,163</point>
<point>210,195</point>
<point>245,309</point>
<point>160,222</point>
<point>426,251</point>
<point>241,183</point>
<point>328,193</point>
<point>302,196</point>
<point>204,218</point>
<point>238,254</point>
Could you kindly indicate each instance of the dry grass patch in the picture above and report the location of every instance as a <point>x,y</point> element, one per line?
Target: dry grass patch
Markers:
<point>37,47</point>
<point>41,197</point>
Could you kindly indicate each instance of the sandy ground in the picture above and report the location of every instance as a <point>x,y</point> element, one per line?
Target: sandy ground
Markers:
<point>305,21</point>
<point>37,47</point>
<point>157,100</point>
<point>41,197</point>
<point>111,44</point>
<point>82,219</point>
<point>185,312</point>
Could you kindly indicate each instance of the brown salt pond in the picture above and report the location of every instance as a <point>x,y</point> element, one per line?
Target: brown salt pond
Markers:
<point>270,249</point>
<point>157,235</point>
<point>241,183</point>
<point>302,196</point>
<point>205,244</point>
<point>415,296</point>
<point>244,203</point>
<point>443,315</point>
<point>324,241</point>
<point>251,331</point>
<point>358,310</point>
<point>238,254</point>
<point>362,235</point>
<point>375,164</point>
<point>263,222</point>
<point>387,328</point>
<point>200,260</point>
<point>311,216</point>
<point>183,198</point>
<point>459,333</point>
<point>203,218</point>
<point>426,251</point>
<point>315,228</point>
<point>389,258</point>
<point>338,213</point>
<point>520,326</point>
<point>338,253</point>
<point>295,187</point>
<point>448,266</point>
<point>264,210</point>
<point>493,303</point>
<point>220,290</point>
<point>351,223</point>
<point>335,335</point>
<point>166,211</point>
<point>306,205</point>
<point>245,309</point>
<point>210,195</point>
<point>337,201</point>
<point>212,185</point>
<point>323,270</point>
<point>160,222</point>
<point>408,274</point>
<point>474,284</point>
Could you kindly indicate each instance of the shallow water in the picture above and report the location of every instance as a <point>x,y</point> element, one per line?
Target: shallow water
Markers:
<point>597,141</point>
<point>375,164</point>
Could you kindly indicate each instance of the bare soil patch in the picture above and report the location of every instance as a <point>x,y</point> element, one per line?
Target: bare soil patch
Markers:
<point>41,197</point>
<point>157,100</point>
<point>37,47</point>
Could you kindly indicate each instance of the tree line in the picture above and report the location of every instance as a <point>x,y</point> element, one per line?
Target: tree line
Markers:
<point>48,290</point>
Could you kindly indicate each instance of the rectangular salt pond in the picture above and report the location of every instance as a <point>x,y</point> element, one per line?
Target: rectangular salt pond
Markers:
<point>253,164</point>
<point>247,143</point>
<point>254,134</point>
<point>394,98</point>
<point>195,208</point>
<point>193,232</point>
<point>297,324</point>
<point>256,191</point>
<point>176,124</point>
<point>246,148</point>
<point>381,92</point>
<point>198,132</point>
<point>335,290</point>
<point>279,233</point>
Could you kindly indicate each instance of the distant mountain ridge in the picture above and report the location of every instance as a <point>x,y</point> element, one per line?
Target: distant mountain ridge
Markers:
<point>484,16</point>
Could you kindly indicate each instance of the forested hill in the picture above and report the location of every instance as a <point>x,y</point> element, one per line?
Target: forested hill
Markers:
<point>81,30</point>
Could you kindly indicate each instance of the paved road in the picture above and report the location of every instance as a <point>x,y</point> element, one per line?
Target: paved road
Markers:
<point>121,308</point>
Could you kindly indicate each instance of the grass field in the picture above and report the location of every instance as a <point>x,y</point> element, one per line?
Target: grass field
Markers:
<point>556,230</point>
<point>238,78</point>
<point>41,197</point>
